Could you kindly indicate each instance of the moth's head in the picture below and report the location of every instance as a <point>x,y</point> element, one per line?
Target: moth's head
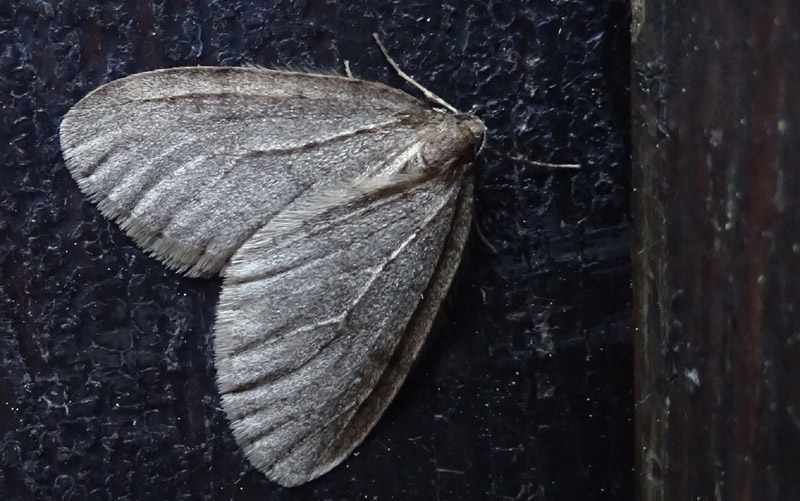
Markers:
<point>472,129</point>
<point>452,139</point>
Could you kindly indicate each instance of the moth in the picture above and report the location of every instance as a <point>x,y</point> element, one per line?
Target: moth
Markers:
<point>335,209</point>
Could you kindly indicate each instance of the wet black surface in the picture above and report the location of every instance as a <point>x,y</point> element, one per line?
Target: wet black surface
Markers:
<point>524,391</point>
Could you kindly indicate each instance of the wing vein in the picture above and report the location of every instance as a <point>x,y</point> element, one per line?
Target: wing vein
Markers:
<point>269,377</point>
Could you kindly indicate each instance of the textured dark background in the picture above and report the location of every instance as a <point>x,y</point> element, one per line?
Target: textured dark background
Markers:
<point>524,391</point>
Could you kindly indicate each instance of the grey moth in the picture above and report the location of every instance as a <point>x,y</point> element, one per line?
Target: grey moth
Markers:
<point>334,208</point>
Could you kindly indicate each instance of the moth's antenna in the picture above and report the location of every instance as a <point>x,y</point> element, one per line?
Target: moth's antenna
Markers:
<point>531,162</point>
<point>433,97</point>
<point>430,95</point>
<point>543,164</point>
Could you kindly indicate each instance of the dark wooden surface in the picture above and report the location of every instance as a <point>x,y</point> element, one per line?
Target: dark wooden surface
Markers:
<point>716,145</point>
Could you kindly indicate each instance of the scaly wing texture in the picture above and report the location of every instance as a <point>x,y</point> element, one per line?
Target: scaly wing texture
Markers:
<point>192,161</point>
<point>318,323</point>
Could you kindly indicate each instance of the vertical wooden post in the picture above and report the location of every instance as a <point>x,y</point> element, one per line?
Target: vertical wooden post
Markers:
<point>716,145</point>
